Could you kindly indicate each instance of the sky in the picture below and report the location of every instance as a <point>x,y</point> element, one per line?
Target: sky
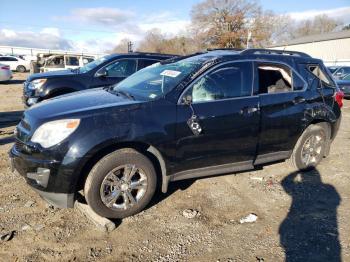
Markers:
<point>97,26</point>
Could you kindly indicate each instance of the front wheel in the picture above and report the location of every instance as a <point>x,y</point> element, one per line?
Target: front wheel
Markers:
<point>121,184</point>
<point>311,146</point>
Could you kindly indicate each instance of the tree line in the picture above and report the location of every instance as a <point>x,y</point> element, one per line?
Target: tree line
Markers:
<point>233,24</point>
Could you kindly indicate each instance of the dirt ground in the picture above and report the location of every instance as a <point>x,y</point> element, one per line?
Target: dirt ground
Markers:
<point>301,217</point>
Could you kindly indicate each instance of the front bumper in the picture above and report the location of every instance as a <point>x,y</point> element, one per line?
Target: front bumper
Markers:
<point>42,176</point>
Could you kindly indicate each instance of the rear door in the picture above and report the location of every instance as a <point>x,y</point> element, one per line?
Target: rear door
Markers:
<point>114,72</point>
<point>282,106</point>
<point>228,117</point>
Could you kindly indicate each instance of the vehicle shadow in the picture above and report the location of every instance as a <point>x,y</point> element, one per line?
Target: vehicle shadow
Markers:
<point>310,230</point>
<point>12,82</point>
<point>6,140</point>
<point>11,118</point>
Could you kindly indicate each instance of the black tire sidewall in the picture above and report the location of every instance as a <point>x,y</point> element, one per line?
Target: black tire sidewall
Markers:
<point>311,130</point>
<point>103,167</point>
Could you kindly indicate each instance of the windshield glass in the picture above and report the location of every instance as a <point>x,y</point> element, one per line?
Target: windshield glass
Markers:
<point>156,80</point>
<point>93,64</point>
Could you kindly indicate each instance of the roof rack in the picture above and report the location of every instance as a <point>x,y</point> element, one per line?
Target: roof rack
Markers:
<point>228,49</point>
<point>257,51</point>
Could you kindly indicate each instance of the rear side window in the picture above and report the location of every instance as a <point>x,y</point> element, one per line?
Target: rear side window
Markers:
<point>276,78</point>
<point>72,61</point>
<point>232,81</point>
<point>317,71</point>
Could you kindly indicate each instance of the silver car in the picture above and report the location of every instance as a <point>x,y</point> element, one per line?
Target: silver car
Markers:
<point>5,73</point>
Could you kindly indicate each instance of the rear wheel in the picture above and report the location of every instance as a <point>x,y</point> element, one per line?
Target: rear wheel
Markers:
<point>121,184</point>
<point>311,147</point>
<point>21,69</point>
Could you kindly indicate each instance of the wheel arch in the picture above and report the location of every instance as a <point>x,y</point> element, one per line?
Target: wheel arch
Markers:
<point>148,150</point>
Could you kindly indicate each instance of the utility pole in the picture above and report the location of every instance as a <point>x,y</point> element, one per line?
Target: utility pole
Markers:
<point>249,37</point>
<point>130,44</point>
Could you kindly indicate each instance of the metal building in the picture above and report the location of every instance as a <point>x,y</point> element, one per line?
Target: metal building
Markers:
<point>332,48</point>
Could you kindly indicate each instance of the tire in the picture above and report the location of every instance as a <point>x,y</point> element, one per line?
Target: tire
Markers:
<point>309,144</point>
<point>21,69</point>
<point>108,194</point>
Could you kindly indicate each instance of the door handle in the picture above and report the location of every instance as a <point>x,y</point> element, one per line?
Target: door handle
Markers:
<point>249,110</point>
<point>299,100</point>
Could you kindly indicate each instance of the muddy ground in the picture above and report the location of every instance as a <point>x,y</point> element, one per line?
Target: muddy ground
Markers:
<point>302,217</point>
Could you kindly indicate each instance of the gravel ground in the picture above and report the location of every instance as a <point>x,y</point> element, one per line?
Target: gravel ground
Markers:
<point>300,216</point>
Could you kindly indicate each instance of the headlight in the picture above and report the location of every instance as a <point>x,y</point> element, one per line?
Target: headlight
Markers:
<point>52,133</point>
<point>36,84</point>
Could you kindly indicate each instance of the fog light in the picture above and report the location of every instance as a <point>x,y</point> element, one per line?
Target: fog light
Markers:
<point>41,176</point>
<point>32,101</point>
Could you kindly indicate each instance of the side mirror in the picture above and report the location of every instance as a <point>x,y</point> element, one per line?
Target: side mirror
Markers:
<point>101,73</point>
<point>187,100</point>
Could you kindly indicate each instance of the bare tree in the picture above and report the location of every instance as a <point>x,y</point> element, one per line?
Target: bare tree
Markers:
<point>318,25</point>
<point>223,23</point>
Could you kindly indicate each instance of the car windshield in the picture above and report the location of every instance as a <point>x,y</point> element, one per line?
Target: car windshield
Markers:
<point>157,80</point>
<point>93,64</point>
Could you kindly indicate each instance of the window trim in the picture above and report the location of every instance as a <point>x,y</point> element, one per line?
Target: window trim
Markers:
<point>180,102</point>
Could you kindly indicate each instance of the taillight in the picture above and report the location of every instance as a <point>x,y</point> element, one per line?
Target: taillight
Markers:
<point>339,95</point>
<point>5,67</point>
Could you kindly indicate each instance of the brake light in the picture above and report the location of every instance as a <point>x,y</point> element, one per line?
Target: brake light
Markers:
<point>339,95</point>
<point>5,67</point>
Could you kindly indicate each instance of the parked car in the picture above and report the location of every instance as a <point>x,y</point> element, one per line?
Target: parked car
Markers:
<point>213,113</point>
<point>15,63</point>
<point>105,71</point>
<point>344,85</point>
<point>341,72</point>
<point>5,73</point>
<point>62,62</point>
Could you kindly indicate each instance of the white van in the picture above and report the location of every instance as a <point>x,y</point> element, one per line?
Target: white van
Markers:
<point>61,62</point>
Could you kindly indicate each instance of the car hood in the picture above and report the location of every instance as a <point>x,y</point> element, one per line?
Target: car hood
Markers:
<point>52,74</point>
<point>80,104</point>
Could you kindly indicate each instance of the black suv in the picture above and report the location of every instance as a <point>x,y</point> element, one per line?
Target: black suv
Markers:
<point>105,71</point>
<point>212,113</point>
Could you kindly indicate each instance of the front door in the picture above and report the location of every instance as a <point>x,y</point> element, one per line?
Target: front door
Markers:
<point>228,117</point>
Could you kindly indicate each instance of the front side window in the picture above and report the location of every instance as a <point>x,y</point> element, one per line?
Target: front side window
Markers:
<point>228,82</point>
<point>121,68</point>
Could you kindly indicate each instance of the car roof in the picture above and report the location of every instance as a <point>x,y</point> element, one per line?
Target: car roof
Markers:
<point>221,55</point>
<point>141,55</point>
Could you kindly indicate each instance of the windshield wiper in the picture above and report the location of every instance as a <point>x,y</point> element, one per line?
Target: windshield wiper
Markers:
<point>124,93</point>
